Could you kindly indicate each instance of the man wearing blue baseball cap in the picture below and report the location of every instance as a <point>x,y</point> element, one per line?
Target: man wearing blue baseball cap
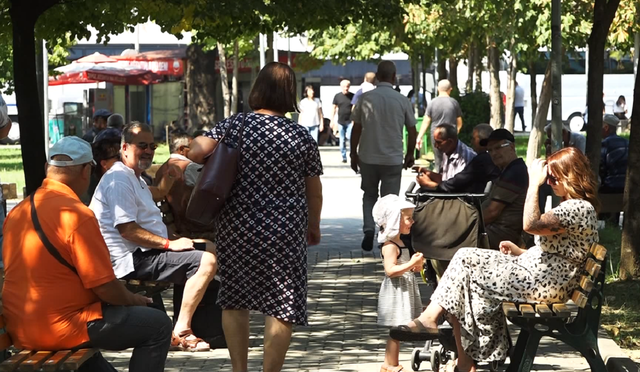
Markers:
<point>60,291</point>
<point>100,118</point>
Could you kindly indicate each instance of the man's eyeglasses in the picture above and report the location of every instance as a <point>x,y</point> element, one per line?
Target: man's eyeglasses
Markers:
<point>144,146</point>
<point>496,148</point>
<point>551,179</point>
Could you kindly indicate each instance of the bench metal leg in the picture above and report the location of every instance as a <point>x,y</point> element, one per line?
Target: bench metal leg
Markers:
<point>521,359</point>
<point>587,345</point>
<point>157,302</point>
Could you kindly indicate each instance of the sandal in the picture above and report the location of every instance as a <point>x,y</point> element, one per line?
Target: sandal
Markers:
<point>420,333</point>
<point>187,341</point>
<point>397,368</point>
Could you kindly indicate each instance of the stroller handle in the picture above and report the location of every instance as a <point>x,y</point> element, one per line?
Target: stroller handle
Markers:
<point>409,192</point>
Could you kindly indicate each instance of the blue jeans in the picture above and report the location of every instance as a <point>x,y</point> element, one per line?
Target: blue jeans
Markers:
<point>145,329</point>
<point>345,137</point>
<point>314,131</point>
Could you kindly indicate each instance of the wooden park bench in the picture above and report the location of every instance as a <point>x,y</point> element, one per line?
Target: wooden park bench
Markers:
<point>611,203</point>
<point>39,360</point>
<point>575,323</point>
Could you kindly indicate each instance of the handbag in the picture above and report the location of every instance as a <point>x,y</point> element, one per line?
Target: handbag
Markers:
<point>43,237</point>
<point>216,180</point>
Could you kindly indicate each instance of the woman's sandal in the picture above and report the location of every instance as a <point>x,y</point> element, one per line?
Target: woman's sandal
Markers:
<point>187,341</point>
<point>420,333</point>
<point>397,368</point>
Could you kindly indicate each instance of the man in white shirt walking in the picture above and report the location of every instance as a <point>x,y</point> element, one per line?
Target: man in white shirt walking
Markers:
<point>132,227</point>
<point>518,106</point>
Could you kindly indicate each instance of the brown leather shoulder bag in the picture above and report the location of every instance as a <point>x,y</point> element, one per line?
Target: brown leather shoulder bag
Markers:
<point>216,180</point>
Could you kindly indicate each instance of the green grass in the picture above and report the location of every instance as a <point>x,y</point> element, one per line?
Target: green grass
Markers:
<point>11,169</point>
<point>621,310</point>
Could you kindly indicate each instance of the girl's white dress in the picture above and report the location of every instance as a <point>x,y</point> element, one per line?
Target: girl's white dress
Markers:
<point>399,300</point>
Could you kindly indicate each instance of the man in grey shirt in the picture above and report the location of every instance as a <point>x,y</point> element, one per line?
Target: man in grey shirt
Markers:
<point>441,110</point>
<point>376,143</point>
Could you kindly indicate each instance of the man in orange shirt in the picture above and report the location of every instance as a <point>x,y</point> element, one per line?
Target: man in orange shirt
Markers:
<point>75,299</point>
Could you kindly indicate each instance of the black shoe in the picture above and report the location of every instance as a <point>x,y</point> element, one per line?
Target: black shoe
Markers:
<point>344,160</point>
<point>367,242</point>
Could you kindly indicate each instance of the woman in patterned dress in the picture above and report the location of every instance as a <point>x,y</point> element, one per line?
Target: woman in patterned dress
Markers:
<point>271,216</point>
<point>477,281</point>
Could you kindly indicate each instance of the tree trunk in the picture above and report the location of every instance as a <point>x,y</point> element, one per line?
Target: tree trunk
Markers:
<point>26,83</point>
<point>453,72</point>
<point>224,80</point>
<point>471,64</point>
<point>415,70</point>
<point>269,54</point>
<point>479,68</point>
<point>494,92</point>
<point>442,68</point>
<point>603,13</point>
<point>534,90</point>
<point>234,80</point>
<point>537,134</point>
<point>201,91</point>
<point>511,93</point>
<point>630,249</point>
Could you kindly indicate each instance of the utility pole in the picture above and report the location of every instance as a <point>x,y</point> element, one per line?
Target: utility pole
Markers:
<point>556,75</point>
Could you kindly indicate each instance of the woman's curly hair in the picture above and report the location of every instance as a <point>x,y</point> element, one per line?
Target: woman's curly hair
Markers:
<point>573,170</point>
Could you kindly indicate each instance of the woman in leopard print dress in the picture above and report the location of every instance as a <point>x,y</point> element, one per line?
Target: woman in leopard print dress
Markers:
<point>477,281</point>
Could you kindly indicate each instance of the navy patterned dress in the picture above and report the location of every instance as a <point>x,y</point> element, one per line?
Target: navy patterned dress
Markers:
<point>261,240</point>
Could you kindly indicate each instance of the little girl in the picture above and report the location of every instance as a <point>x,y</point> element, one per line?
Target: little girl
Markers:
<point>399,299</point>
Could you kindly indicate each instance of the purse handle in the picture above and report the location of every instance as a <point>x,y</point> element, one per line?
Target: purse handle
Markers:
<point>240,133</point>
<point>43,237</point>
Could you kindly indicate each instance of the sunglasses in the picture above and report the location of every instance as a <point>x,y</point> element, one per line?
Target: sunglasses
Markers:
<point>496,148</point>
<point>144,146</point>
<point>552,180</point>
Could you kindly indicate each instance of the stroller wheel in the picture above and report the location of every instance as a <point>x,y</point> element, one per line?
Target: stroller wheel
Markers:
<point>415,359</point>
<point>435,360</point>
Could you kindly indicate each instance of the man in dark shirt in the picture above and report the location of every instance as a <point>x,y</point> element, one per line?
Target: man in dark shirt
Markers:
<point>100,118</point>
<point>504,208</point>
<point>342,128</point>
<point>614,157</point>
<point>475,176</point>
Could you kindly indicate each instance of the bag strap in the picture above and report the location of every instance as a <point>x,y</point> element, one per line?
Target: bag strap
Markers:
<point>43,237</point>
<point>240,132</point>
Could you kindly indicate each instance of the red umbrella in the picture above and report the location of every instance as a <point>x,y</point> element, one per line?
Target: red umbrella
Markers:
<point>112,75</point>
<point>95,58</point>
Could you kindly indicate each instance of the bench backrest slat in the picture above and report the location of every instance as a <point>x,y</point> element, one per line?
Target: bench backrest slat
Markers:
<point>35,361</point>
<point>75,361</point>
<point>592,266</point>
<point>14,361</point>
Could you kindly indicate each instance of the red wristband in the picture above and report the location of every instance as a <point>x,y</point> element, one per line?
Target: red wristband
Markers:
<point>166,244</point>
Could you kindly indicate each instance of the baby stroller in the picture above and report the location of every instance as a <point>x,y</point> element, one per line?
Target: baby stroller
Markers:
<point>443,224</point>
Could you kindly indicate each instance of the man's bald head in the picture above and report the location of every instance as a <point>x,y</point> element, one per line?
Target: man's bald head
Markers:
<point>386,72</point>
<point>444,86</point>
<point>370,77</point>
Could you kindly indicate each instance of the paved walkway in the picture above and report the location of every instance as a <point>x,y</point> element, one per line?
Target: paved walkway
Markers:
<point>343,288</point>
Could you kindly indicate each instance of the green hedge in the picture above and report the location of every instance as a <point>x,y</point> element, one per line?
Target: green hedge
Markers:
<point>476,109</point>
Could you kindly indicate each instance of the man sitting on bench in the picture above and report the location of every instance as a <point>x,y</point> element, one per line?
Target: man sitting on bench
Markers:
<point>48,306</point>
<point>475,175</point>
<point>503,209</point>
<point>132,226</point>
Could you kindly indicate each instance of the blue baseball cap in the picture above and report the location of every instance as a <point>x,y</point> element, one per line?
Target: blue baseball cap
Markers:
<point>101,113</point>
